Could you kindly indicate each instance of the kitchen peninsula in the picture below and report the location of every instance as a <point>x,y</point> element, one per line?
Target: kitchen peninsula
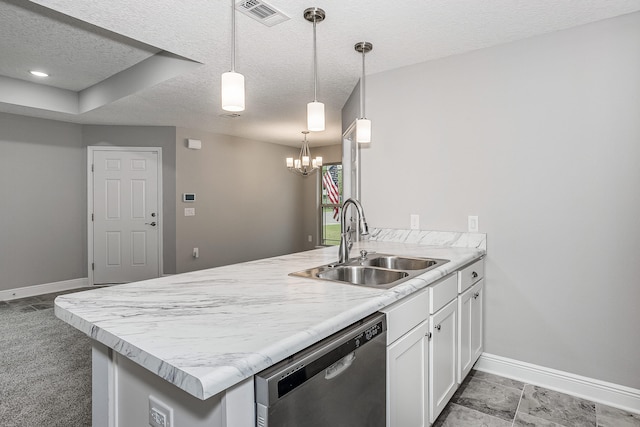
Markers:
<point>194,341</point>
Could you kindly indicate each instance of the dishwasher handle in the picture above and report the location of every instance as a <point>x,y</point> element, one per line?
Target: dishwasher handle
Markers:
<point>340,366</point>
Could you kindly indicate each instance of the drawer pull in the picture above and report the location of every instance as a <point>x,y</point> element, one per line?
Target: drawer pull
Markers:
<point>438,327</point>
<point>474,275</point>
<point>429,335</point>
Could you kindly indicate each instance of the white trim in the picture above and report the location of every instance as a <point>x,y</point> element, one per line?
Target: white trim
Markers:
<point>615,395</point>
<point>90,150</point>
<point>45,288</point>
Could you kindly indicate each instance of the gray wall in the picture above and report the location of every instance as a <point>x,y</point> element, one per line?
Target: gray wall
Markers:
<point>147,136</point>
<point>43,202</point>
<point>248,205</point>
<point>541,139</point>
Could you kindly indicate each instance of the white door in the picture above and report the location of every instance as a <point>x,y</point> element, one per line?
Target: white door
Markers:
<point>126,222</point>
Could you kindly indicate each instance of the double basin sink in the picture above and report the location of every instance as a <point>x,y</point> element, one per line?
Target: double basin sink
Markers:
<point>374,270</point>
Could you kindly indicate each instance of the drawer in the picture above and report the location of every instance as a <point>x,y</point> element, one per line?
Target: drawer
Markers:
<point>405,314</point>
<point>470,275</point>
<point>442,292</point>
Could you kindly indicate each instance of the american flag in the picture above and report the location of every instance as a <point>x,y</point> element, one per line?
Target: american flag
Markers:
<point>330,182</point>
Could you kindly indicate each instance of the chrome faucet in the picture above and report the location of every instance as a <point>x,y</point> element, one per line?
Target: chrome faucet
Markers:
<point>345,241</point>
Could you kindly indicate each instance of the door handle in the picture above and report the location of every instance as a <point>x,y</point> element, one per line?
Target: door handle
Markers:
<point>153,224</point>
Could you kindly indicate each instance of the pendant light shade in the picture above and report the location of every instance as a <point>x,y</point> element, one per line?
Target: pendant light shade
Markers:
<point>232,91</point>
<point>315,116</point>
<point>363,125</point>
<point>315,109</point>
<point>233,83</point>
<point>363,131</point>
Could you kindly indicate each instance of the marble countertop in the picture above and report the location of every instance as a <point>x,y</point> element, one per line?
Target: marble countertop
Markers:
<point>207,330</point>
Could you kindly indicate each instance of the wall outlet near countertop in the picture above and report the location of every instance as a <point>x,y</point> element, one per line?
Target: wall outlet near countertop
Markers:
<point>473,223</point>
<point>415,221</point>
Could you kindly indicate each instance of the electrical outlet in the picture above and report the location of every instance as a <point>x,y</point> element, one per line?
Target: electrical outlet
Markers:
<point>160,414</point>
<point>473,223</point>
<point>415,221</point>
<point>310,237</point>
<point>189,211</point>
<point>196,253</point>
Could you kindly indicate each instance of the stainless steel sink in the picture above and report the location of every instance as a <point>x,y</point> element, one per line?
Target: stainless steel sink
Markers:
<point>373,270</point>
<point>360,275</point>
<point>401,263</point>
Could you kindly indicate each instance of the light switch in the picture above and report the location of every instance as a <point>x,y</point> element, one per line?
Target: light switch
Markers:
<point>189,211</point>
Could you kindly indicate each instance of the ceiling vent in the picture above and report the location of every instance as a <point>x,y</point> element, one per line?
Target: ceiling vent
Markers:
<point>261,12</point>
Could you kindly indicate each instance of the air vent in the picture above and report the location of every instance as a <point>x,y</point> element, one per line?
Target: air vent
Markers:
<point>261,12</point>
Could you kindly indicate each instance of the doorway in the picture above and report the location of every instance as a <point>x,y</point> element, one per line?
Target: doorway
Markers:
<point>125,218</point>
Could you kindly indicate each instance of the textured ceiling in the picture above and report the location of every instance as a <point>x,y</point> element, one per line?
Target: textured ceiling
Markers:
<point>81,43</point>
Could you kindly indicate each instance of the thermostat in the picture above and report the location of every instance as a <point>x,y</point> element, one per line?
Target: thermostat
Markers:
<point>188,197</point>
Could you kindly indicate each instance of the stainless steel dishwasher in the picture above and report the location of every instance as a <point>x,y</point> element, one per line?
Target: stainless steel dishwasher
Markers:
<point>338,382</point>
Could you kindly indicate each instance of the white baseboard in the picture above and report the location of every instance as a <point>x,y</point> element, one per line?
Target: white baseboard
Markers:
<point>45,288</point>
<point>610,394</point>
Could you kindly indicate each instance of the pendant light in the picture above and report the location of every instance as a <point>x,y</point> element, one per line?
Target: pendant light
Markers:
<point>304,165</point>
<point>232,82</point>
<point>315,109</point>
<point>363,125</point>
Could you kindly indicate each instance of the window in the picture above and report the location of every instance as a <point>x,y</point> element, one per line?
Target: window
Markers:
<point>330,202</point>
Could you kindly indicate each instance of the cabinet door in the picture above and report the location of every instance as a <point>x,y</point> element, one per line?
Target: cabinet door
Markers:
<point>477,319</point>
<point>465,327</point>
<point>442,358</point>
<point>470,340</point>
<point>407,369</point>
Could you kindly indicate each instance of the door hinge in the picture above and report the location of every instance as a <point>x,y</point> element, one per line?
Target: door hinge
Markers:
<point>93,266</point>
<point>91,167</point>
<point>91,217</point>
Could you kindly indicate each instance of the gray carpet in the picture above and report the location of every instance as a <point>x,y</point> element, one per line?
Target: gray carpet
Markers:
<point>45,371</point>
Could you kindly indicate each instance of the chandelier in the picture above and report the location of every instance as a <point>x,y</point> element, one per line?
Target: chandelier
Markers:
<point>304,165</point>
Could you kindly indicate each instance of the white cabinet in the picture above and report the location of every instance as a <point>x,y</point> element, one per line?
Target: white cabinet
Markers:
<point>433,339</point>
<point>407,370</point>
<point>442,358</point>
<point>470,325</point>
<point>470,339</point>
<point>407,361</point>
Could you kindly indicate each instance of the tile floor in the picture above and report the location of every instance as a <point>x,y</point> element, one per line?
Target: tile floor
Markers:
<point>491,401</point>
<point>483,400</point>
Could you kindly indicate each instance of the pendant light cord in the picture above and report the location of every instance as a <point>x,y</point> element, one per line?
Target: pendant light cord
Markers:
<point>315,64</point>
<point>362,88</point>
<point>233,36</point>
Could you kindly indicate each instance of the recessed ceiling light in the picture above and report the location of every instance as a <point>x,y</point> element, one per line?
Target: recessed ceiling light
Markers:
<point>39,73</point>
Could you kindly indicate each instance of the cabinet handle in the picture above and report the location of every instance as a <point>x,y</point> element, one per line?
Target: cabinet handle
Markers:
<point>476,295</point>
<point>438,327</point>
<point>474,275</point>
<point>428,335</point>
